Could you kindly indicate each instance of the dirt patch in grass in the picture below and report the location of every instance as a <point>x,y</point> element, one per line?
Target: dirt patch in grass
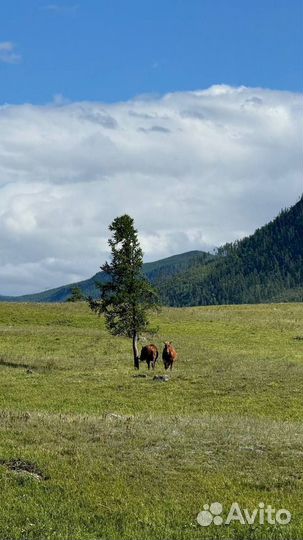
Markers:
<point>24,467</point>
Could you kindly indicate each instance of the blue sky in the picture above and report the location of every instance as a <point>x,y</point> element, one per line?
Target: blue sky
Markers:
<point>113,50</point>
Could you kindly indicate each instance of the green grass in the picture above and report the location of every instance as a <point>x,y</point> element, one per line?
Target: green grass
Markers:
<point>131,458</point>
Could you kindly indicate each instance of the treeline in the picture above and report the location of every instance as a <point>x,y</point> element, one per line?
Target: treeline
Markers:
<point>267,266</point>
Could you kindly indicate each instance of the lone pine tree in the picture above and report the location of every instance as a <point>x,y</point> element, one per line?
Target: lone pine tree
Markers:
<point>127,296</point>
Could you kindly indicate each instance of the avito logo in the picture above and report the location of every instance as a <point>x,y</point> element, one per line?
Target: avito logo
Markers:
<point>262,514</point>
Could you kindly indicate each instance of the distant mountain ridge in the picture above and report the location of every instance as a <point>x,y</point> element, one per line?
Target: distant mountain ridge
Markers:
<point>154,271</point>
<point>264,267</point>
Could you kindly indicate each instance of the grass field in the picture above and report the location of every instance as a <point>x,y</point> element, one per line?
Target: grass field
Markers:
<point>115,456</point>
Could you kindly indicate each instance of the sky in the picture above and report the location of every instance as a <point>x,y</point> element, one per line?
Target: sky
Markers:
<point>185,114</point>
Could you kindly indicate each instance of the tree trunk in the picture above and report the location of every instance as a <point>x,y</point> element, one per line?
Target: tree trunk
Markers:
<point>135,351</point>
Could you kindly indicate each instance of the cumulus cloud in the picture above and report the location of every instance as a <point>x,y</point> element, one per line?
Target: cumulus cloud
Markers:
<point>8,53</point>
<point>195,170</point>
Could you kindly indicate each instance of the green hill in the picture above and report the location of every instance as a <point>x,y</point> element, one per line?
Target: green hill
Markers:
<point>265,267</point>
<point>154,271</point>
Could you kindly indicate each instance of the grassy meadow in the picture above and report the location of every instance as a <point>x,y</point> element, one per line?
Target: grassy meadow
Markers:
<point>110,455</point>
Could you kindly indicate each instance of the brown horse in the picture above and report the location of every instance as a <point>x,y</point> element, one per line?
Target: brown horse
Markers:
<point>149,353</point>
<point>169,355</point>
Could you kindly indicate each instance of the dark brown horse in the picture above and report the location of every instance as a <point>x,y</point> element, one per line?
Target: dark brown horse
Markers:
<point>149,353</point>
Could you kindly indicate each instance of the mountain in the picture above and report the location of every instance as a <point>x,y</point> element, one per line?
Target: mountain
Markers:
<point>264,267</point>
<point>154,271</point>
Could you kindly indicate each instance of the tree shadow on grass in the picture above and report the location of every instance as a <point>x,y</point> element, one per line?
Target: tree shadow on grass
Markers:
<point>8,363</point>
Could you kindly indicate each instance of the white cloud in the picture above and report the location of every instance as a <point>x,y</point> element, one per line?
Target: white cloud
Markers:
<point>195,170</point>
<point>8,53</point>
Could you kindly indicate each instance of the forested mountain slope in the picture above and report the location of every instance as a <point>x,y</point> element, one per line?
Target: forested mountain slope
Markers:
<point>264,267</point>
<point>154,271</point>
<point>267,266</point>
